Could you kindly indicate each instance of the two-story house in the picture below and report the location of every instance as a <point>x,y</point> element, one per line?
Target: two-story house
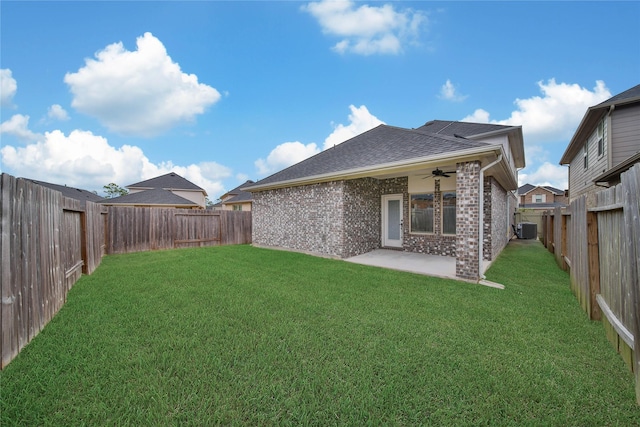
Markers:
<point>541,197</point>
<point>164,191</point>
<point>606,143</point>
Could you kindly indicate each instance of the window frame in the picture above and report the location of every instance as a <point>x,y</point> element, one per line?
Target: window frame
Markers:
<point>600,137</point>
<point>433,214</point>
<point>442,216</point>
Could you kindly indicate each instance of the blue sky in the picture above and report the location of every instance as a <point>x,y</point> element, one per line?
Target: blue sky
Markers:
<point>222,92</point>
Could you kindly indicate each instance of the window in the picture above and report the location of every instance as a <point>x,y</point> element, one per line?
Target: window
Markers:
<point>449,212</point>
<point>539,198</point>
<point>237,207</point>
<point>600,133</point>
<point>584,155</point>
<point>422,213</point>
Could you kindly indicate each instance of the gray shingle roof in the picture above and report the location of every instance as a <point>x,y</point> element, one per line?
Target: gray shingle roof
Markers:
<point>466,129</point>
<point>381,145</point>
<point>71,192</point>
<point>239,195</point>
<point>170,180</point>
<point>155,196</point>
<point>628,94</point>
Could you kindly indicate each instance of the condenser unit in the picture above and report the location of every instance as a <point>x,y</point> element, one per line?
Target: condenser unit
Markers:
<point>527,230</point>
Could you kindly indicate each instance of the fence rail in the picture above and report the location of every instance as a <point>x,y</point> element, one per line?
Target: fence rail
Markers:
<point>48,241</point>
<point>600,246</point>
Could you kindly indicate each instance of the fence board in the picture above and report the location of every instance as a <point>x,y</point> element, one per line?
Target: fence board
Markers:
<point>605,268</point>
<point>143,229</point>
<point>631,197</point>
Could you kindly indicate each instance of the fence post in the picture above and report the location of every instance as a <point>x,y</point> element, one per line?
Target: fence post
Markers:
<point>593,256</point>
<point>631,189</point>
<point>563,244</point>
<point>84,242</point>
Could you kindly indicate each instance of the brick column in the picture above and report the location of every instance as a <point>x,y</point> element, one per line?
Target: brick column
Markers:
<point>467,220</point>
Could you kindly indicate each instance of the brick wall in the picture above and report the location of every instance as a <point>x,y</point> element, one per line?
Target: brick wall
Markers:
<point>361,216</point>
<point>500,219</point>
<point>340,218</point>
<point>307,218</point>
<point>467,218</point>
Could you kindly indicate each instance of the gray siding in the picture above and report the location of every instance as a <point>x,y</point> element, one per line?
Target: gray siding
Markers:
<point>581,179</point>
<point>625,133</point>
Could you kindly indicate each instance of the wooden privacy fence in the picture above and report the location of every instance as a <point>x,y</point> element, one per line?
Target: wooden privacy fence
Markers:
<point>144,229</point>
<point>49,240</point>
<point>600,246</point>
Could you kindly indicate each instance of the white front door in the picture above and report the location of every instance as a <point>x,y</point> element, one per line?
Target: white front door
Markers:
<point>392,220</point>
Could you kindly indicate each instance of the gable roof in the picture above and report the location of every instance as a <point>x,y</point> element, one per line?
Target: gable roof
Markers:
<point>593,116</point>
<point>465,129</point>
<point>244,196</point>
<point>383,147</point>
<point>169,181</point>
<point>528,187</point>
<point>155,196</point>
<point>239,191</point>
<point>71,192</point>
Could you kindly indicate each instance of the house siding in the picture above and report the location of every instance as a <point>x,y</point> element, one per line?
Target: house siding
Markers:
<point>581,178</point>
<point>625,133</point>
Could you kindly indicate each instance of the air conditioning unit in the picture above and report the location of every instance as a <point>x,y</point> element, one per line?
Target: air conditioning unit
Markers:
<point>527,230</point>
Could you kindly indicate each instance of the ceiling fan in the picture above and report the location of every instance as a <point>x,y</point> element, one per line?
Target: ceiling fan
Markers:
<point>437,172</point>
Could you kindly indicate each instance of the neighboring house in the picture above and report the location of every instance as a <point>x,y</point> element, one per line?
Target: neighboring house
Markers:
<point>445,188</point>
<point>541,197</point>
<point>606,143</point>
<point>74,193</point>
<point>237,199</point>
<point>166,191</point>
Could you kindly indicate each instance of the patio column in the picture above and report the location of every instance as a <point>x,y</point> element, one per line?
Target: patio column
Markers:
<point>467,219</point>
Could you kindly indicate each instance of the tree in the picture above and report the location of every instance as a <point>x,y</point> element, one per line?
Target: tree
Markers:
<point>114,190</point>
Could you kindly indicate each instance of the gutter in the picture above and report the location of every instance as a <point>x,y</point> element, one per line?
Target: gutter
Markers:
<point>481,217</point>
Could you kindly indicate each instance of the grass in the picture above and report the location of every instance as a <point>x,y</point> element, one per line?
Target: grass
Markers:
<point>238,335</point>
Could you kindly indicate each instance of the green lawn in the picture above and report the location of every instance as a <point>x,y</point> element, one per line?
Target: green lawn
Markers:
<point>248,336</point>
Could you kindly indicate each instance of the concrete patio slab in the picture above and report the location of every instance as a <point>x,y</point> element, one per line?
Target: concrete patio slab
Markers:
<point>430,265</point>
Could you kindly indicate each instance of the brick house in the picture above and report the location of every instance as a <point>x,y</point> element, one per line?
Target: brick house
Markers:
<point>541,197</point>
<point>445,188</point>
<point>606,144</point>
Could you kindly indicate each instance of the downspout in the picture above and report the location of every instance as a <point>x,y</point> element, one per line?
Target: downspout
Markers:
<point>481,216</point>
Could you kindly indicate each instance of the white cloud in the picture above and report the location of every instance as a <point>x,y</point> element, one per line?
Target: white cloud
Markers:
<point>140,93</point>
<point>289,153</point>
<point>546,174</point>
<point>18,126</point>
<point>285,155</point>
<point>56,112</point>
<point>555,115</point>
<point>361,120</point>
<point>8,87</point>
<point>87,161</point>
<point>366,30</point>
<point>449,92</point>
